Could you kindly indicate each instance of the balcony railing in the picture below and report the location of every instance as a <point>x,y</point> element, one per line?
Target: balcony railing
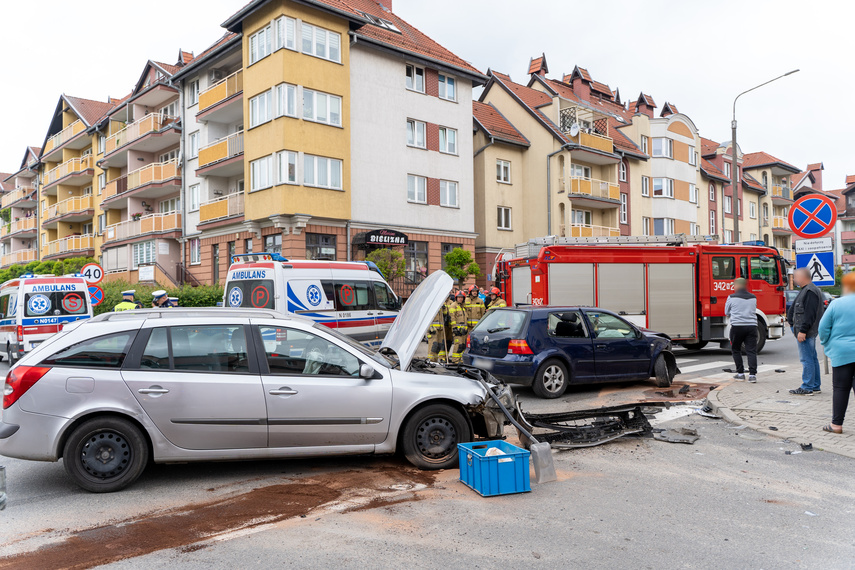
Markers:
<point>149,124</point>
<point>18,226</point>
<point>594,188</point>
<point>151,173</point>
<point>144,225</point>
<point>592,129</point>
<point>15,195</point>
<point>847,236</point>
<point>781,192</point>
<point>19,257</point>
<point>780,223</point>
<point>64,136</point>
<point>788,254</point>
<point>68,244</point>
<point>72,166</point>
<point>224,207</point>
<point>584,230</point>
<point>76,204</point>
<point>848,258</point>
<point>222,90</point>
<point>224,148</point>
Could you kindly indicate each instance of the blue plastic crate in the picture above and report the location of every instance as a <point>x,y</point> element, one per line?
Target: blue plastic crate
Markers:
<point>497,474</point>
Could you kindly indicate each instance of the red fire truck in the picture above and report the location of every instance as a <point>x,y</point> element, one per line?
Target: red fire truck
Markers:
<point>677,285</point>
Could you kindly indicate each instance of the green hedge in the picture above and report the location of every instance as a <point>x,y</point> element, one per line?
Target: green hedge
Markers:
<point>200,296</point>
<point>60,267</point>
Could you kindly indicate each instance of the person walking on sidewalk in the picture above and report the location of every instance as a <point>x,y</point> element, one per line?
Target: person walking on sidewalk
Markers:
<point>837,335</point>
<point>741,308</point>
<point>804,316</point>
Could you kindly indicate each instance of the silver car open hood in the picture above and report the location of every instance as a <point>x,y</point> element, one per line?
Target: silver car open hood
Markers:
<point>415,317</point>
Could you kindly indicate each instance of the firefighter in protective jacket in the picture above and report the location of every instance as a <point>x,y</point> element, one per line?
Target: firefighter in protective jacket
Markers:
<point>458,327</point>
<point>474,308</point>
<point>437,343</point>
<point>496,301</point>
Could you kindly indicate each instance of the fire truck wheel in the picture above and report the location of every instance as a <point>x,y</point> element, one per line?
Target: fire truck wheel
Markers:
<point>762,331</point>
<point>664,375</point>
<point>695,345</point>
<point>551,379</point>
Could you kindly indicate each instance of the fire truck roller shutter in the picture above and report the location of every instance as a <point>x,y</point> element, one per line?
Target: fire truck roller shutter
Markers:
<point>571,284</point>
<point>521,285</point>
<point>671,299</point>
<point>620,288</point>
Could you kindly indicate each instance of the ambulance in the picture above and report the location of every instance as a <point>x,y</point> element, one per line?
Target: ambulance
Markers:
<point>350,296</point>
<point>33,307</point>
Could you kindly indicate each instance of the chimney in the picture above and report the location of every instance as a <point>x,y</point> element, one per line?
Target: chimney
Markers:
<point>386,4</point>
<point>645,105</point>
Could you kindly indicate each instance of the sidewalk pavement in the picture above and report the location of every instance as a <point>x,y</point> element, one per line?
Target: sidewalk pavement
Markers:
<point>768,403</point>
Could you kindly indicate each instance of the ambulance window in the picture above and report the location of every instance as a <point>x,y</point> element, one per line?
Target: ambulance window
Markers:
<point>329,289</point>
<point>723,268</point>
<point>352,296</point>
<point>4,305</point>
<point>765,270</point>
<point>56,303</point>
<point>386,300</point>
<point>257,293</point>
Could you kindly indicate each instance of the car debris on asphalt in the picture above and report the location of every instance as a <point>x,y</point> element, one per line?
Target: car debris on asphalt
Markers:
<point>683,435</point>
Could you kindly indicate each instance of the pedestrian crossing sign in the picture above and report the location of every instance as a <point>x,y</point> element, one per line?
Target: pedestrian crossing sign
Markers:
<point>820,265</point>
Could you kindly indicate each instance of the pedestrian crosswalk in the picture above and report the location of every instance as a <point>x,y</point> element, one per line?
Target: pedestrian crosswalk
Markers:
<point>713,370</point>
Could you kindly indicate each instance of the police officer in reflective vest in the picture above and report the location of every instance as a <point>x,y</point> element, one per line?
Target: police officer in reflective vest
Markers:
<point>129,301</point>
<point>474,308</point>
<point>161,301</point>
<point>496,302</point>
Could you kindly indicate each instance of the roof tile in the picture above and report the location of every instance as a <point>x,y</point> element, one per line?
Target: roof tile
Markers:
<point>88,110</point>
<point>496,124</point>
<point>758,159</point>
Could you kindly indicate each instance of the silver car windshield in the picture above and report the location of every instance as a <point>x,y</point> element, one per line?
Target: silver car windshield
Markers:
<point>354,344</point>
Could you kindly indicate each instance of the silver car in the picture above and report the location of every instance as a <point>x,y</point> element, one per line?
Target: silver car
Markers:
<point>182,385</point>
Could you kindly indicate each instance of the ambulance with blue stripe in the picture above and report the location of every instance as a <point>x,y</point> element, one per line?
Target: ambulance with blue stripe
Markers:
<point>34,307</point>
<point>350,296</point>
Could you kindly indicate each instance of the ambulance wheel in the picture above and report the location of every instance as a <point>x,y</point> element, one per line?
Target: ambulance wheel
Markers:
<point>664,377</point>
<point>551,379</point>
<point>9,354</point>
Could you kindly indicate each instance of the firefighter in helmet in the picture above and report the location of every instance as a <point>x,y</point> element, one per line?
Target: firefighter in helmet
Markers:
<point>458,327</point>
<point>436,337</point>
<point>474,308</point>
<point>496,301</point>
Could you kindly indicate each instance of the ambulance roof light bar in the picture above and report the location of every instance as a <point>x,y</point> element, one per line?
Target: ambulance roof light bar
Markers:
<point>253,257</point>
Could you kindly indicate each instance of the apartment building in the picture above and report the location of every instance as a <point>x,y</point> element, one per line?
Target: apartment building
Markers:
<point>19,236</point>
<point>845,229</point>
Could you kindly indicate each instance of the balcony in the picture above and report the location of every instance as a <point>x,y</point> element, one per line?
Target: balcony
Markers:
<point>152,133</point>
<point>593,193</point>
<point>74,172</point>
<point>847,237</point>
<point>151,224</point>
<point>76,209</point>
<point>20,257</point>
<point>25,227</point>
<point>781,224</point>
<point>21,195</point>
<point>781,195</point>
<point>223,208</point>
<point>584,230</point>
<point>50,153</point>
<point>151,181</point>
<point>223,157</point>
<point>848,258</point>
<point>788,254</point>
<point>222,102</point>
<point>70,246</point>
<point>591,129</point>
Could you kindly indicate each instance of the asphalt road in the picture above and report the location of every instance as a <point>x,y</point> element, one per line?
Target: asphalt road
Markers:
<point>733,499</point>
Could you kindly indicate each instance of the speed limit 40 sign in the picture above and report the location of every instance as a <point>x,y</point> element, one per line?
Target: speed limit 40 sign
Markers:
<point>92,273</point>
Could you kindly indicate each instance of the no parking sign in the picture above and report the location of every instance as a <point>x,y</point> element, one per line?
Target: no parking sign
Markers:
<point>96,295</point>
<point>813,216</point>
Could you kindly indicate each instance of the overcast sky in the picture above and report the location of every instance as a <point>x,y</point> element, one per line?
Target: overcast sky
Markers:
<point>676,50</point>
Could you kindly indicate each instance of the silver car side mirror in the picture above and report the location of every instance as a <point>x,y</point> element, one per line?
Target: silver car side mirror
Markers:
<point>366,371</point>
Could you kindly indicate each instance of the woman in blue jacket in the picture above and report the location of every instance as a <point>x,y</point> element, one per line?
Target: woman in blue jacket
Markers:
<point>837,335</point>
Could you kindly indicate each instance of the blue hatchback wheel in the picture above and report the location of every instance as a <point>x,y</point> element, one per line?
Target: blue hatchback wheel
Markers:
<point>551,379</point>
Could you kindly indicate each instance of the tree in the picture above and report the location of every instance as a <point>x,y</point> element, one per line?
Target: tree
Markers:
<point>460,265</point>
<point>391,263</point>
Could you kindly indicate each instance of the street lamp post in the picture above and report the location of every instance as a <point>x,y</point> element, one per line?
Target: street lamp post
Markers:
<point>734,165</point>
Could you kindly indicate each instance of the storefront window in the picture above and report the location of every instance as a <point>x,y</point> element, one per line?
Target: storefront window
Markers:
<point>273,243</point>
<point>447,247</point>
<point>320,246</point>
<point>416,254</point>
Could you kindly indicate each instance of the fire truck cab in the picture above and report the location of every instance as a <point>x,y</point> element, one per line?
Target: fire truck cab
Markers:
<point>677,285</point>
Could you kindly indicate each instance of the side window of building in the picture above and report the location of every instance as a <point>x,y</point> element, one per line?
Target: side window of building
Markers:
<point>352,296</point>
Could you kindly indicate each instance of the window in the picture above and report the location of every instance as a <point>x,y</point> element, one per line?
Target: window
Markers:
<point>503,171</point>
<point>752,210</point>
<point>504,218</point>
<point>215,262</point>
<point>143,253</point>
<point>645,226</point>
<point>170,205</point>
<point>693,156</point>
<point>195,251</point>
<point>694,229</point>
<point>261,173</point>
<point>447,248</point>
<point>320,246</point>
<point>622,171</point>
<point>287,166</point>
<point>663,226</point>
<point>286,99</point>
<point>645,186</point>
<point>765,213</point>
<point>102,144</point>
<point>102,182</point>
<point>604,325</point>
<point>193,198</point>
<point>567,325</point>
<point>168,156</point>
<point>416,133</point>
<point>765,270</point>
<point>273,243</point>
<point>209,348</point>
<point>102,223</point>
<point>415,78</point>
<point>739,207</point>
<point>416,189</point>
<point>752,237</point>
<point>193,93</point>
<point>156,353</point>
<point>107,351</point>
<point>321,43</point>
<point>581,217</point>
<point>712,222</point>
<point>663,147</point>
<point>193,145</point>
<point>623,208</point>
<point>727,169</point>
<point>170,110</point>
<point>728,203</point>
<point>448,193</point>
<point>416,257</point>
<point>322,172</point>
<point>260,44</point>
<point>579,171</point>
<point>286,33</point>
<point>293,352</point>
<point>260,109</point>
<point>321,108</point>
<point>663,187</point>
<point>447,140</point>
<point>728,236</point>
<point>712,191</point>
<point>87,229</point>
<point>385,298</point>
<point>232,250</point>
<point>644,144</point>
<point>55,304</point>
<point>447,88</point>
<point>693,194</point>
<point>723,268</point>
<point>247,245</point>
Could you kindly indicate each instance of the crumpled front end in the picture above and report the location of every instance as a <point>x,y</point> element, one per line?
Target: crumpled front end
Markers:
<point>488,418</point>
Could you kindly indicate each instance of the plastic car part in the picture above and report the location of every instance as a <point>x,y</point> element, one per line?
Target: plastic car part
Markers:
<point>585,428</point>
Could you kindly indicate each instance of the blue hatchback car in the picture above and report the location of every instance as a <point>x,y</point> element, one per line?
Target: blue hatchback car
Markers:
<point>549,348</point>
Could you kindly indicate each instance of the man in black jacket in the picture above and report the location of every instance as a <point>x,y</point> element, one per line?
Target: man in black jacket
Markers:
<point>804,316</point>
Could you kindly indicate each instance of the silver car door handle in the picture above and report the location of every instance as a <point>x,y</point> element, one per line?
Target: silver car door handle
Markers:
<point>283,392</point>
<point>153,391</point>
<point>370,313</point>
